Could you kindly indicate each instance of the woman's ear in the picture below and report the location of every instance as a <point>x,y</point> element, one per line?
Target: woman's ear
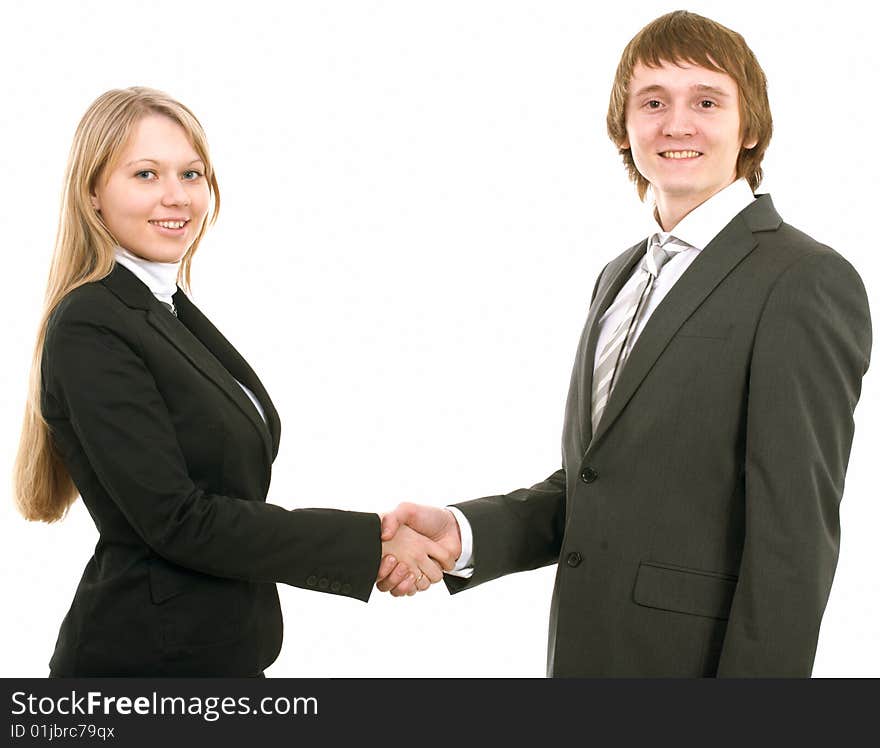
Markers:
<point>96,204</point>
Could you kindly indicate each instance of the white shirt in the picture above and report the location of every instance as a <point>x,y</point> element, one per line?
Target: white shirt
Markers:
<point>697,228</point>
<point>161,279</point>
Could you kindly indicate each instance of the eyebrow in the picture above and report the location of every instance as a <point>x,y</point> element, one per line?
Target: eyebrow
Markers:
<point>153,161</point>
<point>698,87</point>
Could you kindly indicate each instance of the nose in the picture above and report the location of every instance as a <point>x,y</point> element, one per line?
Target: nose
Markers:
<point>678,122</point>
<point>174,193</point>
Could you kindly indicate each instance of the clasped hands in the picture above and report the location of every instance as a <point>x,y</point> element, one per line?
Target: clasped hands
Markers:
<point>418,544</point>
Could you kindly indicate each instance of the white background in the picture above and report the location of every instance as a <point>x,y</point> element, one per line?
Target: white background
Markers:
<point>417,198</point>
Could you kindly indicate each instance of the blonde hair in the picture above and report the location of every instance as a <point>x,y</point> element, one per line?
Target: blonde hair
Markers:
<point>681,36</point>
<point>84,253</point>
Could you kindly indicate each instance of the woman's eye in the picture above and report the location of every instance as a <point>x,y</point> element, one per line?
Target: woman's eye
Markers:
<point>707,104</point>
<point>191,174</point>
<point>145,174</point>
<point>653,104</point>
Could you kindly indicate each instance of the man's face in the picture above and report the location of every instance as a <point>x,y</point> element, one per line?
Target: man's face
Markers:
<point>683,126</point>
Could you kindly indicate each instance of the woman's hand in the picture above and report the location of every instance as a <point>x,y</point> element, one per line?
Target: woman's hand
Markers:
<point>417,562</point>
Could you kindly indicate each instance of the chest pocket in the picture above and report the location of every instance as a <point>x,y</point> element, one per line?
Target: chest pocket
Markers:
<point>707,329</point>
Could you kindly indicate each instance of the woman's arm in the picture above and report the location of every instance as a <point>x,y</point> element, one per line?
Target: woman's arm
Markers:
<point>108,398</point>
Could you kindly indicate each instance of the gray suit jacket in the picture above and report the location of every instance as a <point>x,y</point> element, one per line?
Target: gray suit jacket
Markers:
<point>697,530</point>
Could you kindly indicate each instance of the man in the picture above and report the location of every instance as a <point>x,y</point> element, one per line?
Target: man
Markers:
<point>709,419</point>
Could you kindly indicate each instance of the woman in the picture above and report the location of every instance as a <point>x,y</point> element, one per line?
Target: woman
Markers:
<point>139,404</point>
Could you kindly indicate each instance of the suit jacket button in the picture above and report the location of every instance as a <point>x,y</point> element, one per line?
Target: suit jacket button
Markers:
<point>346,588</point>
<point>312,581</point>
<point>323,583</point>
<point>589,475</point>
<point>335,587</point>
<point>574,559</point>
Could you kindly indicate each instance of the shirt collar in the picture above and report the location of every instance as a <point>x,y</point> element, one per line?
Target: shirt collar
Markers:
<point>705,222</point>
<point>159,277</point>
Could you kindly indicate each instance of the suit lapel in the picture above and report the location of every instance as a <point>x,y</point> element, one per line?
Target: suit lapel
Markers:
<point>211,354</point>
<point>716,260</point>
<point>232,364</point>
<point>199,355</point>
<point>618,272</point>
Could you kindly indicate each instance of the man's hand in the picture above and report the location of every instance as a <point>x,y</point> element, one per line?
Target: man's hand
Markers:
<point>435,524</point>
<point>423,559</point>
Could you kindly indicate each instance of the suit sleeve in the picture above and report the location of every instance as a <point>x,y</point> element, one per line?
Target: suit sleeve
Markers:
<point>92,368</point>
<point>811,350</point>
<point>519,531</point>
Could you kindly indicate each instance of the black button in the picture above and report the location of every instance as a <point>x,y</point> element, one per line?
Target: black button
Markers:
<point>574,559</point>
<point>335,586</point>
<point>312,581</point>
<point>589,475</point>
<point>323,583</point>
<point>346,588</point>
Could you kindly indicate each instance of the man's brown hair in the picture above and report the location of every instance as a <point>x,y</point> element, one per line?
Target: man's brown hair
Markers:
<point>679,37</point>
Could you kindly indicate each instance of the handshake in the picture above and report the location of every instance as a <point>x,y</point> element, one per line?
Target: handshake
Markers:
<point>418,544</point>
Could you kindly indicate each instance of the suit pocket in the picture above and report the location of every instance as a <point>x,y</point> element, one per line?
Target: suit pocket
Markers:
<point>166,582</point>
<point>682,590</point>
<point>195,609</point>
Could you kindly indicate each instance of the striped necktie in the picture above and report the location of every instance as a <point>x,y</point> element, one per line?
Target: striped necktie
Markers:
<point>615,352</point>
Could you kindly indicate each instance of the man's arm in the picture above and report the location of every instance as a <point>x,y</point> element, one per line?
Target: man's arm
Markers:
<point>515,532</point>
<point>811,350</point>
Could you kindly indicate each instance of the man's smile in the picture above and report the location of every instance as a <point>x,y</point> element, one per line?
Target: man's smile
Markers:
<point>680,154</point>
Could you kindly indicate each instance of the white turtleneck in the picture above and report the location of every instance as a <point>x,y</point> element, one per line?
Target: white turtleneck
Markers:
<point>161,279</point>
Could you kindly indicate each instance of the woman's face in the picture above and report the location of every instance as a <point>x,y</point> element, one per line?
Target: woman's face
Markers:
<point>155,199</point>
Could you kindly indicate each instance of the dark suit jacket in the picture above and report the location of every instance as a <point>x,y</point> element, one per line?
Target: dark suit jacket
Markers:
<point>173,463</point>
<point>697,530</point>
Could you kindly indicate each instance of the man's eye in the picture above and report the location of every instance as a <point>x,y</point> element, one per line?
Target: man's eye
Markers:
<point>191,174</point>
